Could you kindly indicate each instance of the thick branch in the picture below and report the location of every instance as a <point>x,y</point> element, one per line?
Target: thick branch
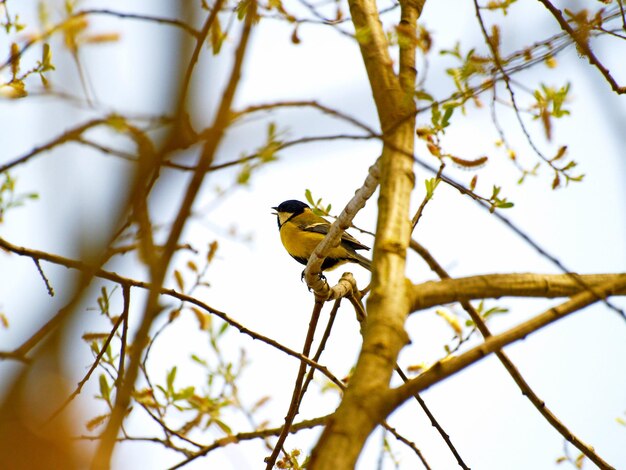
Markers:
<point>444,369</point>
<point>363,404</point>
<point>525,388</point>
<point>433,293</point>
<point>410,10</point>
<point>372,40</point>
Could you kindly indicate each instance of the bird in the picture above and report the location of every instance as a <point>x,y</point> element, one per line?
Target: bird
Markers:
<point>301,231</point>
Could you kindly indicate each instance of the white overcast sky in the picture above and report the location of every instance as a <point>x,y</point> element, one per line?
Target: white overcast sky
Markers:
<point>576,365</point>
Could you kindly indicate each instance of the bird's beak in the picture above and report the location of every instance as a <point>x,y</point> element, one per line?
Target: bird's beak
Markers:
<point>276,209</point>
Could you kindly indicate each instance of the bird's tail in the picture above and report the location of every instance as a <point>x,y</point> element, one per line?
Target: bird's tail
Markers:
<point>363,261</point>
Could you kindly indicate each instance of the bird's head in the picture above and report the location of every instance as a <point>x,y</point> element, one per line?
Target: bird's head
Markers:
<point>287,209</point>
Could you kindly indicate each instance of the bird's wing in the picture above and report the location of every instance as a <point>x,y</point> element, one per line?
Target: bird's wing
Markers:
<point>318,227</point>
<point>357,245</point>
<point>323,227</point>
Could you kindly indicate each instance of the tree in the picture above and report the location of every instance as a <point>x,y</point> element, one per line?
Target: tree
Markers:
<point>144,260</point>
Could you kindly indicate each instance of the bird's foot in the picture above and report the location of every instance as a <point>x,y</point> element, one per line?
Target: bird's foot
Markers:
<point>321,276</point>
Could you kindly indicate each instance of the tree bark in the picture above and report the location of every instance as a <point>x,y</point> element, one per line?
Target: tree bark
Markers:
<point>365,403</point>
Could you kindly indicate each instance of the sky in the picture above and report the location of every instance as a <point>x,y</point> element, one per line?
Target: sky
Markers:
<point>575,365</point>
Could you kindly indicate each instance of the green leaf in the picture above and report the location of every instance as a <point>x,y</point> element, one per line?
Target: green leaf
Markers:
<point>217,36</point>
<point>431,184</point>
<point>271,131</point>
<point>422,95</point>
<point>109,354</point>
<point>495,311</point>
<point>103,301</point>
<point>435,115</point>
<point>46,58</point>
<point>95,422</point>
<point>454,52</point>
<point>244,174</point>
<point>575,178</point>
<point>445,122</point>
<point>242,9</point>
<point>171,376</point>
<point>309,196</point>
<point>199,360</point>
<point>105,389</point>
<point>223,426</point>
<point>185,393</point>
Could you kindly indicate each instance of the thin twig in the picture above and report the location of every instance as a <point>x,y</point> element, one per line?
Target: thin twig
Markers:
<point>245,436</point>
<point>434,422</point>
<point>507,82</point>
<point>67,136</point>
<point>200,43</point>
<point>320,348</point>
<point>621,9</point>
<point>343,222</point>
<point>134,16</point>
<point>124,339</point>
<point>87,376</point>
<point>111,276</point>
<point>296,396</point>
<point>427,197</point>
<point>43,276</point>
<point>408,443</point>
<point>583,46</point>
<point>518,231</point>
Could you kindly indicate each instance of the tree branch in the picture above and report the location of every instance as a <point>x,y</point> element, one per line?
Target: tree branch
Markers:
<point>20,352</point>
<point>134,16</point>
<point>103,454</point>
<point>314,266</point>
<point>583,47</point>
<point>68,136</point>
<point>527,391</point>
<point>431,293</point>
<point>246,436</point>
<point>298,390</point>
<point>450,366</point>
<point>361,408</point>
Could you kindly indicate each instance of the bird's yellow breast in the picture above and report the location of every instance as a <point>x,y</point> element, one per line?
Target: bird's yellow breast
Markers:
<point>298,242</point>
<point>301,243</point>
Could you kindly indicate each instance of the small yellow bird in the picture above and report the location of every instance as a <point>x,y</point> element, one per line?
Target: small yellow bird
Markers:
<point>301,231</point>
